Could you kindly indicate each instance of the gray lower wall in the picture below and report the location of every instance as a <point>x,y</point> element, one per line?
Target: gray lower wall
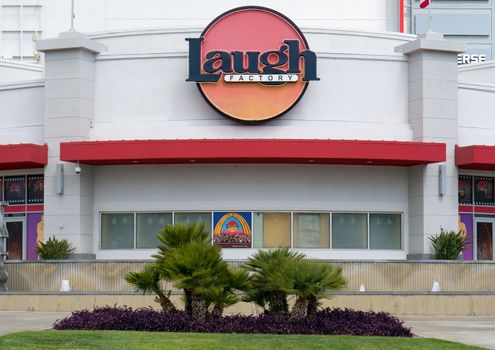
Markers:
<point>382,277</point>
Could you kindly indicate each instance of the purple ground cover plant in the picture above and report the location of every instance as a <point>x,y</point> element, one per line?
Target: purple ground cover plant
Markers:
<point>327,321</point>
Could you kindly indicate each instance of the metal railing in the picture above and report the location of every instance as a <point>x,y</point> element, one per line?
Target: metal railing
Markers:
<point>107,276</point>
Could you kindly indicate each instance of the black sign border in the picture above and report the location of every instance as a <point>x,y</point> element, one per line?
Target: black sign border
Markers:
<point>242,8</point>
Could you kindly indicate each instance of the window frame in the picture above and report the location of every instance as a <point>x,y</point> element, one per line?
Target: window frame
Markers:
<point>291,215</point>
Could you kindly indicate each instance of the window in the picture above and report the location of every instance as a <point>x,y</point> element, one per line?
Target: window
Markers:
<point>311,230</point>
<point>271,230</point>
<point>117,231</point>
<point>35,189</point>
<point>349,231</point>
<point>483,190</point>
<point>465,189</point>
<point>147,227</point>
<point>194,217</point>
<point>261,230</point>
<point>15,189</point>
<point>385,231</point>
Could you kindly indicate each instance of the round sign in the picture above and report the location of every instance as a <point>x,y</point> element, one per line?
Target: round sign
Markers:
<point>260,61</point>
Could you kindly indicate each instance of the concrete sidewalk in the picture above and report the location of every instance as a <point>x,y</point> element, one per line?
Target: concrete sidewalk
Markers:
<point>17,321</point>
<point>478,331</point>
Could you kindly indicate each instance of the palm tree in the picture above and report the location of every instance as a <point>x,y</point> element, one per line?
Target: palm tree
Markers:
<point>262,266</point>
<point>195,268</point>
<point>175,236</point>
<point>232,281</point>
<point>148,281</point>
<point>310,281</point>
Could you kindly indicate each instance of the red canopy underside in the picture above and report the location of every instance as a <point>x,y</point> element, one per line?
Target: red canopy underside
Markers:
<point>477,157</point>
<point>273,151</point>
<point>23,156</point>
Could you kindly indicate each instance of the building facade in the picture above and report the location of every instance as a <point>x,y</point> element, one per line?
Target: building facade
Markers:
<point>23,22</point>
<point>113,143</point>
<point>468,21</point>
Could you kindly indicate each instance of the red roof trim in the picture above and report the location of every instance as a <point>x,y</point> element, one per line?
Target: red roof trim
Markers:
<point>299,151</point>
<point>23,156</point>
<point>477,157</point>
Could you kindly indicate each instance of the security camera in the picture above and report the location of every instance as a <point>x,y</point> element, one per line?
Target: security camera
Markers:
<point>77,169</point>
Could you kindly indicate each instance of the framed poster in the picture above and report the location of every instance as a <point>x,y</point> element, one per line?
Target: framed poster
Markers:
<point>232,229</point>
<point>465,189</point>
<point>15,189</point>
<point>35,233</point>
<point>35,189</point>
<point>466,228</point>
<point>483,190</point>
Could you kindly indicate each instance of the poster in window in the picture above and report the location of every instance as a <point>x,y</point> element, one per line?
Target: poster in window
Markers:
<point>465,189</point>
<point>15,189</point>
<point>483,190</point>
<point>232,230</point>
<point>35,234</point>
<point>35,189</point>
<point>466,229</point>
<point>309,232</point>
<point>14,242</point>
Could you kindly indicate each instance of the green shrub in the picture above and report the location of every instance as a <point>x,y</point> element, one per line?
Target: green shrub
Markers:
<point>309,281</point>
<point>55,249</point>
<point>263,266</point>
<point>276,274</point>
<point>448,245</point>
<point>187,259</point>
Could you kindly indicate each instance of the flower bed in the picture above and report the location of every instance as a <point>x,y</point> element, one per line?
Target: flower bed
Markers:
<point>327,321</point>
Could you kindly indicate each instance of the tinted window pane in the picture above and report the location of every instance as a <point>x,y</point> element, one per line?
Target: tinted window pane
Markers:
<point>193,218</point>
<point>117,231</point>
<point>483,190</point>
<point>311,231</point>
<point>484,240</point>
<point>465,189</point>
<point>271,230</point>
<point>385,231</point>
<point>147,227</point>
<point>35,188</point>
<point>349,231</point>
<point>15,189</point>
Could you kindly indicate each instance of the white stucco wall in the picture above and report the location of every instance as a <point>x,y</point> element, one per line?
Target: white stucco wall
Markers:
<point>251,188</point>
<point>98,15</point>
<point>21,112</point>
<point>477,104</point>
<point>141,93</point>
<point>14,71</point>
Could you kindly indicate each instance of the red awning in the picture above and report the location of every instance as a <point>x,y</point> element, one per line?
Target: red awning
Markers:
<point>23,156</point>
<point>478,157</point>
<point>299,151</point>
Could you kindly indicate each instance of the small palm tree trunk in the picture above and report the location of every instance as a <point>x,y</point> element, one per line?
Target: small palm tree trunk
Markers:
<point>188,301</point>
<point>166,304</point>
<point>312,305</point>
<point>198,307</point>
<point>217,310</point>
<point>299,310</point>
<point>279,303</point>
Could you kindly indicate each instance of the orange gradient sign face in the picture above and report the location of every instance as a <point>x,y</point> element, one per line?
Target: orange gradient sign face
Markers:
<point>251,64</point>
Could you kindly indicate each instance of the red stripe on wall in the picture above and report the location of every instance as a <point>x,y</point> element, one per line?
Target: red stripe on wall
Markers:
<point>34,207</point>
<point>476,209</point>
<point>401,16</point>
<point>484,210</point>
<point>465,208</point>
<point>15,209</point>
